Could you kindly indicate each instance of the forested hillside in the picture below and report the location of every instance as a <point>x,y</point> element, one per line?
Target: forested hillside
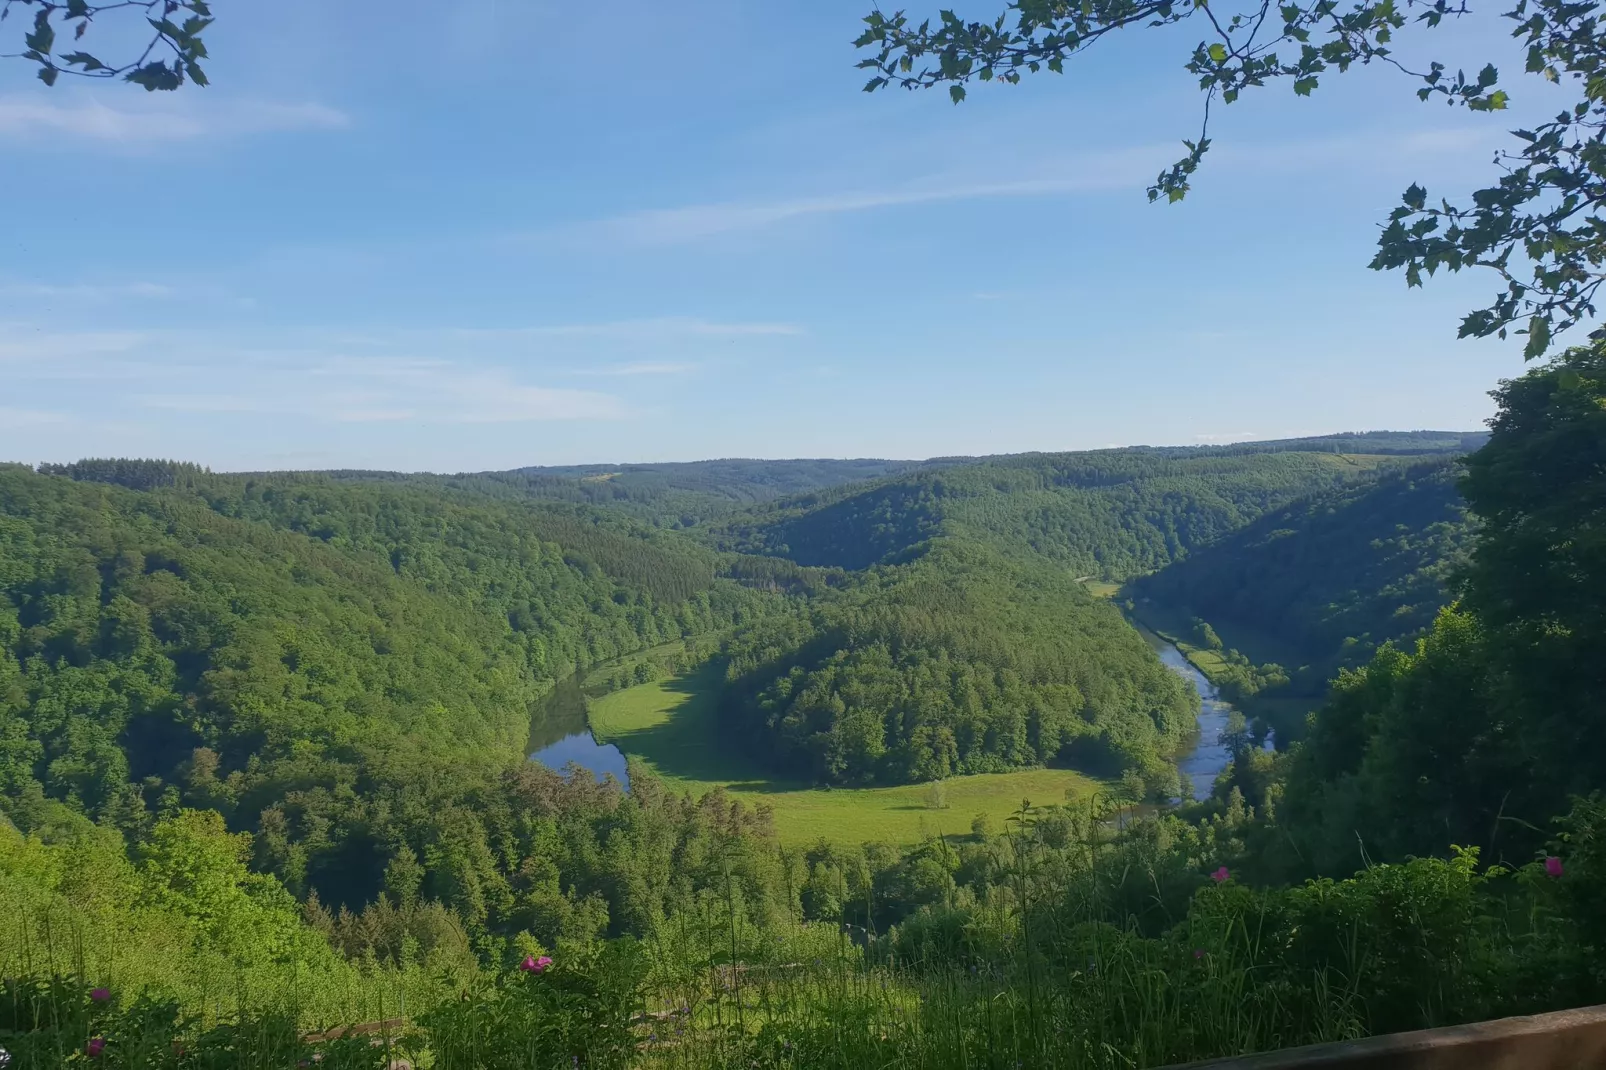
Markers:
<point>313,660</point>
<point>677,495</point>
<point>1331,577</point>
<point>963,661</point>
<point>262,733</point>
<point>1108,513</point>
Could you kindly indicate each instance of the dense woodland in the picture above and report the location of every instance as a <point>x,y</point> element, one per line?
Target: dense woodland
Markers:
<point>334,668</point>
<point>268,726</point>
<point>1324,582</point>
<point>1109,514</point>
<point>962,661</point>
<point>675,495</point>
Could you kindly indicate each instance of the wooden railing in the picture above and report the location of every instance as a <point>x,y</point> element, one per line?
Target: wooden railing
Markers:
<point>1565,1040</point>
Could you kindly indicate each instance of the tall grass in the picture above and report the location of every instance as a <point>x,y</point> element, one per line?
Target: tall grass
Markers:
<point>1050,969</point>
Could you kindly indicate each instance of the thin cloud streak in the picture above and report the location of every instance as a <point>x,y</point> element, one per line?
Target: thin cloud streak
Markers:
<point>645,330</point>
<point>1091,172</point>
<point>86,292</point>
<point>646,367</point>
<point>13,418</point>
<point>27,115</point>
<point>1112,169</point>
<point>390,392</point>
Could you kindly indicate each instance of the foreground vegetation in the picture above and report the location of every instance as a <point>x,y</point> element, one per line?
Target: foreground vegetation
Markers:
<point>1048,945</point>
<point>261,777</point>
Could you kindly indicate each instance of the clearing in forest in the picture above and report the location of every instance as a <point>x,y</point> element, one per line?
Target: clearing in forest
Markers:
<point>671,726</point>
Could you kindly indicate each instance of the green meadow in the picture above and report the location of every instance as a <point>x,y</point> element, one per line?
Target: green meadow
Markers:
<point>671,726</point>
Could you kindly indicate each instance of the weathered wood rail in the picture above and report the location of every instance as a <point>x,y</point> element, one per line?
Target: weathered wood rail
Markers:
<point>1564,1040</point>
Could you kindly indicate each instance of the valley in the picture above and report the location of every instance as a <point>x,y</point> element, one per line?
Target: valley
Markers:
<point>769,704</point>
<point>671,727</point>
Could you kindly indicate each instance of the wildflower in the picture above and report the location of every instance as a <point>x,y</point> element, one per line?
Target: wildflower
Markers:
<point>531,964</point>
<point>95,1045</point>
<point>100,995</point>
<point>1220,875</point>
<point>1553,866</point>
<point>1198,952</point>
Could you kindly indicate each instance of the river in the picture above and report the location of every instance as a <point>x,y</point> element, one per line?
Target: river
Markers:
<point>1209,755</point>
<point>560,733</point>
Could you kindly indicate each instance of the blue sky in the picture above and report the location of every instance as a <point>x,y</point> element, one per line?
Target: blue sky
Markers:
<point>492,233</point>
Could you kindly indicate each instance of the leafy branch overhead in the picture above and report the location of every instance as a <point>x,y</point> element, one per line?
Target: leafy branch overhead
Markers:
<point>171,55</point>
<point>1538,227</point>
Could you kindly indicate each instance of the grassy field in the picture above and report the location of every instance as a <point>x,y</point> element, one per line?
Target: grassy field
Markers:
<point>670,726</point>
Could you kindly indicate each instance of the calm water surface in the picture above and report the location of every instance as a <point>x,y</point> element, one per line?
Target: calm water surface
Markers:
<point>1209,755</point>
<point>560,734</point>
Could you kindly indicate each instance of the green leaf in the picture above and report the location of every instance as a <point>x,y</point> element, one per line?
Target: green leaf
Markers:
<point>1218,52</point>
<point>43,38</point>
<point>154,76</point>
<point>47,74</point>
<point>1538,338</point>
<point>1303,86</point>
<point>956,93</point>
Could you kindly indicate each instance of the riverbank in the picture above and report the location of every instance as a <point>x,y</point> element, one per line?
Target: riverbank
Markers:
<point>1283,712</point>
<point>671,728</point>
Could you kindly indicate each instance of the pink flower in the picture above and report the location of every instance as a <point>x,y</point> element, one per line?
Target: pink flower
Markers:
<point>100,995</point>
<point>1198,952</point>
<point>531,964</point>
<point>542,963</point>
<point>95,1046</point>
<point>1220,875</point>
<point>1553,866</point>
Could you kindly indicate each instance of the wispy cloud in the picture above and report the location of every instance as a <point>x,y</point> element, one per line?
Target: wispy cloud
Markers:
<point>333,375</point>
<point>644,330</point>
<point>87,292</point>
<point>24,343</point>
<point>1092,171</point>
<point>357,391</point>
<point>1111,169</point>
<point>11,418</point>
<point>646,367</point>
<point>156,119</point>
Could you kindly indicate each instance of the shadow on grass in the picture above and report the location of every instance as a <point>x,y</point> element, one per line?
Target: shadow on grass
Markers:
<point>689,744</point>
